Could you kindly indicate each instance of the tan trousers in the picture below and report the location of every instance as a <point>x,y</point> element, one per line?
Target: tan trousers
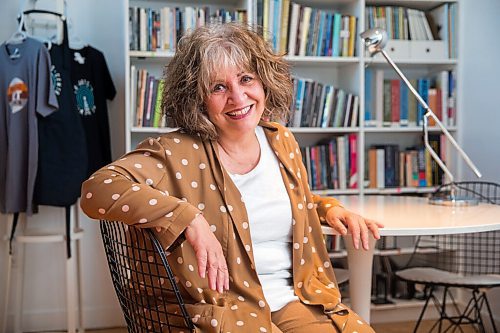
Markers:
<point>296,317</point>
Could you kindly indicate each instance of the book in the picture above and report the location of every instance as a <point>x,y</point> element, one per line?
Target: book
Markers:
<point>432,96</point>
<point>395,102</point>
<point>297,116</point>
<point>342,161</point>
<point>284,26</point>
<point>387,119</point>
<point>304,29</point>
<point>352,36</point>
<point>327,106</point>
<point>344,36</point>
<point>412,106</point>
<point>403,92</point>
<point>355,112</point>
<point>391,165</point>
<point>337,26</point>
<point>348,109</point>
<point>353,160</point>
<point>133,90</point>
<point>369,99</point>
<point>372,167</point>
<point>157,109</point>
<point>293,28</point>
<point>379,98</point>
<point>339,108</point>
<point>380,159</point>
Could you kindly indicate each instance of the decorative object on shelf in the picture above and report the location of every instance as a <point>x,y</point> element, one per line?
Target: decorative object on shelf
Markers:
<point>375,40</point>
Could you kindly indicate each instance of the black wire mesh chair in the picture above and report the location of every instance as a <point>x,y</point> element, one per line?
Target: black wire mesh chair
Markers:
<point>467,262</point>
<point>143,280</point>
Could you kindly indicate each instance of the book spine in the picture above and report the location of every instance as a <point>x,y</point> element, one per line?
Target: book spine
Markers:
<point>353,158</point>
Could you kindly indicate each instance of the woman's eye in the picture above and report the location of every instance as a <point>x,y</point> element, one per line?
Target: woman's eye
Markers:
<point>246,78</point>
<point>218,88</point>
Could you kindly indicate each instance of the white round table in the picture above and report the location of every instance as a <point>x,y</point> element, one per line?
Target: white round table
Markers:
<point>405,216</point>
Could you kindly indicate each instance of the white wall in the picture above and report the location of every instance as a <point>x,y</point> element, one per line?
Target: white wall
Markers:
<point>101,23</point>
<point>480,70</point>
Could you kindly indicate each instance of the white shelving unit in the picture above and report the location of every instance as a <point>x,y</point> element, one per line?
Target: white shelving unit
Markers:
<point>347,73</point>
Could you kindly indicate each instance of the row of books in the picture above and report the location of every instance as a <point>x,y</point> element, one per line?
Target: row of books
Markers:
<point>399,22</point>
<point>332,164</point>
<point>321,105</point>
<point>440,23</point>
<point>301,30</point>
<point>160,29</point>
<point>388,166</point>
<point>145,99</point>
<point>389,103</point>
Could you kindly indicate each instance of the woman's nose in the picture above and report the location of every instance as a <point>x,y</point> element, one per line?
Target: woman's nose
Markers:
<point>237,94</point>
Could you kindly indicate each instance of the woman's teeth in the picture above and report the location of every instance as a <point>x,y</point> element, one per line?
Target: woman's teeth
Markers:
<point>240,112</point>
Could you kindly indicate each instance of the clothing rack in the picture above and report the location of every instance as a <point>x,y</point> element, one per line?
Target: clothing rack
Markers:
<point>74,309</point>
<point>15,246</point>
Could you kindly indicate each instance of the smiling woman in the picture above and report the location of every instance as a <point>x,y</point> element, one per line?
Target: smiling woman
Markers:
<point>230,185</point>
<point>206,58</point>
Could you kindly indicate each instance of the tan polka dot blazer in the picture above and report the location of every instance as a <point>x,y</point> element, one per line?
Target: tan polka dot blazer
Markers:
<point>167,181</point>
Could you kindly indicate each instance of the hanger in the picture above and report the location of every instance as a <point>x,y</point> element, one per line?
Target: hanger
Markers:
<point>75,42</point>
<point>48,41</point>
<point>19,35</point>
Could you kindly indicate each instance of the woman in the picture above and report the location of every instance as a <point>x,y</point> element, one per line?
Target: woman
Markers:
<point>235,187</point>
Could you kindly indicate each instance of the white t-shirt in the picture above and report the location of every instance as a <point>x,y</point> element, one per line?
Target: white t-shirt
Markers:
<point>270,219</point>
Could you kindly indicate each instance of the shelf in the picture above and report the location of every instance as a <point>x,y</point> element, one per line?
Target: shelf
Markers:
<point>336,192</point>
<point>412,63</point>
<point>151,54</point>
<point>322,61</point>
<point>410,129</point>
<point>48,238</point>
<point>152,129</point>
<point>399,190</point>
<point>315,130</point>
<point>417,4</point>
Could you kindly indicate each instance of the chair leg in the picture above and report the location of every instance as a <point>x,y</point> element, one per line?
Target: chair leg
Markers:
<point>489,312</point>
<point>430,291</point>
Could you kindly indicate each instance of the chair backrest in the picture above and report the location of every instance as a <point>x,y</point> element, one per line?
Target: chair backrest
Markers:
<point>487,192</point>
<point>143,280</point>
<point>466,254</point>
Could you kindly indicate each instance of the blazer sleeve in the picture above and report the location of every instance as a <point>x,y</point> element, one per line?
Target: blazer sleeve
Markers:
<point>127,190</point>
<point>323,204</point>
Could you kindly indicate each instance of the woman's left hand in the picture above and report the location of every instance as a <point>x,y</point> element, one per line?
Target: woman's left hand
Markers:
<point>342,220</point>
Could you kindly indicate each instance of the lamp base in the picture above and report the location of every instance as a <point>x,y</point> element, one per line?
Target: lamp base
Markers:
<point>454,201</point>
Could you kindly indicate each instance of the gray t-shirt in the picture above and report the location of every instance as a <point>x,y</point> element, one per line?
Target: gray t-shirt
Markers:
<point>26,89</point>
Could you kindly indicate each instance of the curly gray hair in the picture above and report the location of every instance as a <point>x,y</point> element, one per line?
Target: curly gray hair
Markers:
<point>208,50</point>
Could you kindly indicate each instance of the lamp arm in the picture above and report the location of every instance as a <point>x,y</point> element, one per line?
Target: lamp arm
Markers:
<point>431,150</point>
<point>430,113</point>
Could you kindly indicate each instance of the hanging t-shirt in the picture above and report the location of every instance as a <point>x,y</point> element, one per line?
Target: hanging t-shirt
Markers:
<point>62,164</point>
<point>92,86</point>
<point>26,91</point>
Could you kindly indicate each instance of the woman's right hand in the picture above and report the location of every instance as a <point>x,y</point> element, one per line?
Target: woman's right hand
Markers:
<point>209,255</point>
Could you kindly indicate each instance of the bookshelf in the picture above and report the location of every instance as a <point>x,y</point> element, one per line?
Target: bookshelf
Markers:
<point>417,59</point>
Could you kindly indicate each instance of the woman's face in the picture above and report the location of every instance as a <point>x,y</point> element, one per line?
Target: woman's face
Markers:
<point>236,102</point>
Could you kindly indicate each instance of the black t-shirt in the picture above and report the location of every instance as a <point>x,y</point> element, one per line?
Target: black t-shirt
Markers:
<point>62,158</point>
<point>92,87</point>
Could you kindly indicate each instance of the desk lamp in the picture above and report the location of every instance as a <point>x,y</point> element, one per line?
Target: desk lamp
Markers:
<point>375,40</point>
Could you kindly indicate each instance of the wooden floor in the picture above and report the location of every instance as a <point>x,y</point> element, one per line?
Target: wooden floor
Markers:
<point>399,327</point>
